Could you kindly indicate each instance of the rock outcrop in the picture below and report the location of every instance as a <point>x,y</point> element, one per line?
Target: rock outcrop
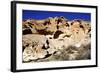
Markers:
<point>56,38</point>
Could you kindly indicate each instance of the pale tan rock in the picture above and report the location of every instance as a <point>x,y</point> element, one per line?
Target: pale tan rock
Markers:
<point>55,35</point>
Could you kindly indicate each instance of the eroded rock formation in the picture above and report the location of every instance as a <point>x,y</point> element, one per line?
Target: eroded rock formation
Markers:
<point>56,38</point>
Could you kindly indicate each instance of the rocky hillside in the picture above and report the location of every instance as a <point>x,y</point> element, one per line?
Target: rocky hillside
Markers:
<point>56,39</point>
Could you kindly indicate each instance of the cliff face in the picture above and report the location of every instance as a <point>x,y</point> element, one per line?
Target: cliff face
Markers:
<point>56,38</point>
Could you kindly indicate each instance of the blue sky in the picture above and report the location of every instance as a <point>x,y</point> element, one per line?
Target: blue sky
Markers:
<point>33,14</point>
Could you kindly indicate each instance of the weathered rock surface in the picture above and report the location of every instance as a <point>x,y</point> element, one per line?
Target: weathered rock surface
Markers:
<point>54,39</point>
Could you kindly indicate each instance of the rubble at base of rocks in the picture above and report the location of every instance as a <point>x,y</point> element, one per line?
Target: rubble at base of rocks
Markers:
<point>56,39</point>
